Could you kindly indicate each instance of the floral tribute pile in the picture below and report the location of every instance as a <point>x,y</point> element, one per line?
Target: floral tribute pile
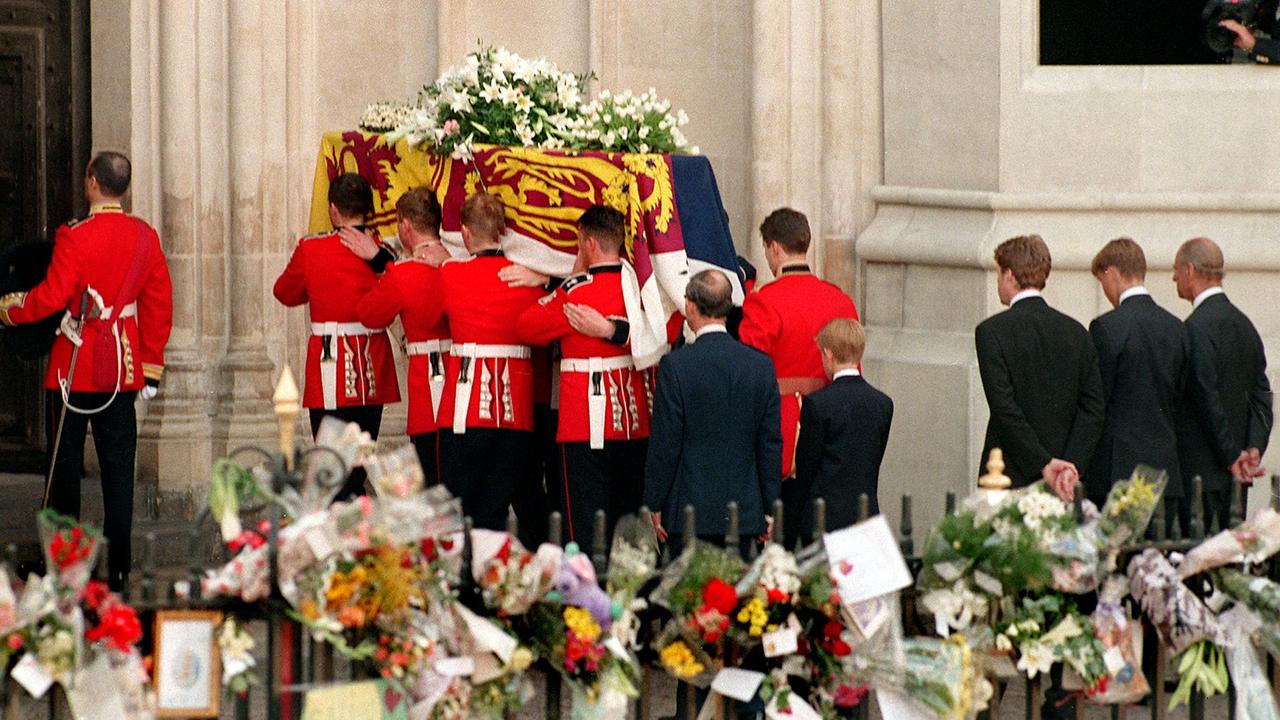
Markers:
<point>67,629</point>
<point>496,97</point>
<point>1014,567</point>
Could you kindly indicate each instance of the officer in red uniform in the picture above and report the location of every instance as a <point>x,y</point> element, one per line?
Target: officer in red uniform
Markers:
<point>486,412</point>
<point>114,261</point>
<point>350,372</point>
<point>412,289</point>
<point>782,319</point>
<point>604,413</point>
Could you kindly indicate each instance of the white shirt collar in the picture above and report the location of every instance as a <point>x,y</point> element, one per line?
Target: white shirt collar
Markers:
<point>1133,292</point>
<point>1023,295</point>
<point>1208,293</point>
<point>710,328</point>
<point>847,372</point>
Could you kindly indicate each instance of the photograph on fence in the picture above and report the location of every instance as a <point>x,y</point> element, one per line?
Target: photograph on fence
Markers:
<point>187,663</point>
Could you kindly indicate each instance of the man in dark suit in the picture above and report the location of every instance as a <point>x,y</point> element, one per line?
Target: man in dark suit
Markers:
<point>1227,420</point>
<point>844,429</point>
<point>715,429</point>
<point>1040,375</point>
<point>1142,357</point>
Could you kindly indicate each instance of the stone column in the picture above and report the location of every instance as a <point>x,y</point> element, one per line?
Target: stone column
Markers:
<point>257,155</point>
<point>185,143</point>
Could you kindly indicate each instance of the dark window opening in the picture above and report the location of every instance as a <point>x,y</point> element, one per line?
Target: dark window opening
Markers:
<point>1134,32</point>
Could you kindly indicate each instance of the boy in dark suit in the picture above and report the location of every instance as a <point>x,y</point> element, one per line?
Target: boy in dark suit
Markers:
<point>1040,375</point>
<point>844,429</point>
<point>1227,416</point>
<point>1142,357</point>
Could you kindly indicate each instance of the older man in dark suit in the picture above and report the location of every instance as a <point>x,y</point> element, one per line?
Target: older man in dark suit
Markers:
<point>1040,375</point>
<point>1142,356</point>
<point>1227,420</point>
<point>715,430</point>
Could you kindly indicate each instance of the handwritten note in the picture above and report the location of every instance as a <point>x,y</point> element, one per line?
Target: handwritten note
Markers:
<point>865,561</point>
<point>741,685</point>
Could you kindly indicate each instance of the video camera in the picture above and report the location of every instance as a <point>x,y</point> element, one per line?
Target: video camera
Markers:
<point>1220,39</point>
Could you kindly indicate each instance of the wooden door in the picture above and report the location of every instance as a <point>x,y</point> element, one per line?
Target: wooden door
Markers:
<point>44,146</point>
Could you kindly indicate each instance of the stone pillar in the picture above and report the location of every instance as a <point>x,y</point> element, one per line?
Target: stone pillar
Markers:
<point>186,150</point>
<point>257,155</point>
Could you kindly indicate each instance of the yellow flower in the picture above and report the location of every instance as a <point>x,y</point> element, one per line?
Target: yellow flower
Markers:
<point>580,623</point>
<point>680,659</point>
<point>521,659</point>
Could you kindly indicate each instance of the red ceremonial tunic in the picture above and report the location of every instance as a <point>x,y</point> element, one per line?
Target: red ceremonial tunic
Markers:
<point>413,290</point>
<point>782,319</point>
<point>98,253</point>
<point>482,311</point>
<point>625,390</point>
<point>331,280</point>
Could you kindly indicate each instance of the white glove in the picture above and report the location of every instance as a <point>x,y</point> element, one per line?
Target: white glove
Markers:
<point>149,391</point>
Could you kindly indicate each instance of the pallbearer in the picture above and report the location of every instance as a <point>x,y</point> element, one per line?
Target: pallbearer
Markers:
<point>110,263</point>
<point>350,371</point>
<point>486,411</point>
<point>412,289</point>
<point>604,412</point>
<point>782,318</point>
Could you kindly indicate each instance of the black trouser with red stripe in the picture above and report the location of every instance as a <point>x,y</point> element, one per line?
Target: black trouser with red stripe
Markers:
<point>609,479</point>
<point>115,435</point>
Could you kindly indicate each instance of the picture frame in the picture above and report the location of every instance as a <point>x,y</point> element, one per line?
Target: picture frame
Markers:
<point>188,670</point>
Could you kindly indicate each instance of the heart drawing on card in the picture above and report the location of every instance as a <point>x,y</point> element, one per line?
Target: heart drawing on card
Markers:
<point>846,567</point>
<point>391,699</point>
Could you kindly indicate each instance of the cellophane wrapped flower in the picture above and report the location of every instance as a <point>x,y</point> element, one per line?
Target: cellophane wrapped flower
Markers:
<point>698,589</point>
<point>767,594</point>
<point>1178,615</point>
<point>1050,629</point>
<point>1121,637</point>
<point>511,579</point>
<point>386,115</point>
<point>942,676</point>
<point>625,122</point>
<point>1129,506</point>
<point>1253,541</point>
<point>70,549</point>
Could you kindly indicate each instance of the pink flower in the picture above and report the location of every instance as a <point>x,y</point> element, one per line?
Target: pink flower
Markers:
<point>451,127</point>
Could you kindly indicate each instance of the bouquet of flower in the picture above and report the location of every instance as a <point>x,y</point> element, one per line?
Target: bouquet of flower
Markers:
<point>1121,637</point>
<point>1129,506</point>
<point>1050,629</point>
<point>942,676</point>
<point>511,579</point>
<point>1179,616</point>
<point>630,123</point>
<point>235,648</point>
<point>385,116</point>
<point>1254,697</point>
<point>767,595</point>
<point>698,589</point>
<point>1252,541</point>
<point>70,549</point>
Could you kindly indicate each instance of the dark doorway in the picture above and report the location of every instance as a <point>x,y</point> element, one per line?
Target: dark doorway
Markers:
<point>1127,32</point>
<point>44,146</point>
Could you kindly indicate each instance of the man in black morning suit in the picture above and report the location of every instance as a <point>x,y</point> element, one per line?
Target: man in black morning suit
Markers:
<point>1142,357</point>
<point>715,432</point>
<point>844,429</point>
<point>1227,417</point>
<point>1040,376</point>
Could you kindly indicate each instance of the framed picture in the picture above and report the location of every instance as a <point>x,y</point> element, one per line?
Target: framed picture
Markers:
<point>187,669</point>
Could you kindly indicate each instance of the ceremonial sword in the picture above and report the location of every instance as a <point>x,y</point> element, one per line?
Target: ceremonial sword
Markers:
<point>62,417</point>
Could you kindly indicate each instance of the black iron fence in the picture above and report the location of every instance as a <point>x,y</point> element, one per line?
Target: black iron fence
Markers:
<point>292,663</point>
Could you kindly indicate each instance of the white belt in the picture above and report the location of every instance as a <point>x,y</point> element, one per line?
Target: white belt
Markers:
<point>341,328</point>
<point>467,377</point>
<point>477,350</point>
<point>432,349</point>
<point>426,347</point>
<point>597,364</point>
<point>129,310</point>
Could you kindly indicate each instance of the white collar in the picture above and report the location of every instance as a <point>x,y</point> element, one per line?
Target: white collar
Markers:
<point>1208,293</point>
<point>847,372</point>
<point>1023,295</point>
<point>710,328</point>
<point>1134,291</point>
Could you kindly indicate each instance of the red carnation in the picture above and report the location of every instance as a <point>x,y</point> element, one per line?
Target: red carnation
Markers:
<point>719,596</point>
<point>95,593</point>
<point>119,626</point>
<point>428,548</point>
<point>847,696</point>
<point>777,596</point>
